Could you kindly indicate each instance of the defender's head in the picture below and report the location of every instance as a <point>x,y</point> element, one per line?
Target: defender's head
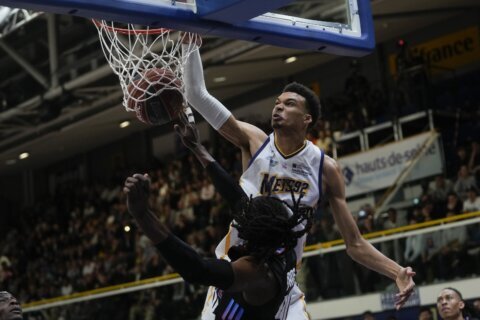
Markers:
<point>267,225</point>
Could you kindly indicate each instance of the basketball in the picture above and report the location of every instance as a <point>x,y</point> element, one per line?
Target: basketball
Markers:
<point>156,96</point>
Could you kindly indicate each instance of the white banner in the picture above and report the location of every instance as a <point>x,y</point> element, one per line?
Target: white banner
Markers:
<point>379,167</point>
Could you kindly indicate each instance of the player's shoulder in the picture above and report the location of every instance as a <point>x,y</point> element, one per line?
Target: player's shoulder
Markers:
<point>330,165</point>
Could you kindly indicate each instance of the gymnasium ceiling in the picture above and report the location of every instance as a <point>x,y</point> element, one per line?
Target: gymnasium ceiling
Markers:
<point>57,103</point>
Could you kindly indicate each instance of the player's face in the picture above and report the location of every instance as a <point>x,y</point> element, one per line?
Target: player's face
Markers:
<point>9,307</point>
<point>449,304</point>
<point>290,112</point>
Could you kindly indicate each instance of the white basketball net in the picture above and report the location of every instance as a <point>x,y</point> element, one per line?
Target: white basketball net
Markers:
<point>131,52</point>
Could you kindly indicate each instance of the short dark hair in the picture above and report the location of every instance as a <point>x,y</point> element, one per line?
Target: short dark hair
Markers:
<point>312,103</point>
<point>454,290</point>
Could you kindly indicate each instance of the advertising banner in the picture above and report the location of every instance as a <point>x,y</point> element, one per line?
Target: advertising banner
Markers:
<point>378,168</point>
<point>448,52</point>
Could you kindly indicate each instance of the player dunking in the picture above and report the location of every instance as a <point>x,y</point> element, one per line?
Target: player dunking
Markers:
<point>283,161</point>
<point>262,271</point>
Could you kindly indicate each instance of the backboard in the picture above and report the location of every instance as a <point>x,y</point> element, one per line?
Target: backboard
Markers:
<point>341,27</point>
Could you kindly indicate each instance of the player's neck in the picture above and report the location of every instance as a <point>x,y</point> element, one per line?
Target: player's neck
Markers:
<point>290,142</point>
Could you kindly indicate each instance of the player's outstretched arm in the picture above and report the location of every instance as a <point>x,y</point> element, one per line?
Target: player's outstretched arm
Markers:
<point>242,275</point>
<point>137,189</point>
<point>243,135</point>
<point>223,182</point>
<point>186,261</point>
<point>190,138</point>
<point>358,248</point>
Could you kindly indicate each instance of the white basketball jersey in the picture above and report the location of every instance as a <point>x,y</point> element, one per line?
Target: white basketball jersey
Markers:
<point>270,172</point>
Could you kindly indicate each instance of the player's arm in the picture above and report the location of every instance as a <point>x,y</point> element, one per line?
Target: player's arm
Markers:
<point>245,136</point>
<point>178,254</point>
<point>242,275</point>
<point>223,182</point>
<point>358,248</point>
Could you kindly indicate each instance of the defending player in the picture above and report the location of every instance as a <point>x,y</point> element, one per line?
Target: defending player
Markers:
<point>283,161</point>
<point>262,271</point>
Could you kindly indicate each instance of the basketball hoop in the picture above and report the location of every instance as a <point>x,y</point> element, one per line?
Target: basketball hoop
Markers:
<point>133,52</point>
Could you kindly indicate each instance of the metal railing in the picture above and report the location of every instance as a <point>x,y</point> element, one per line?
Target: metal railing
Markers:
<point>363,137</point>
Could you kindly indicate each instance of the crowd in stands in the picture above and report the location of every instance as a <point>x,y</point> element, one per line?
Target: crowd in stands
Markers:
<point>78,241</point>
<point>83,238</point>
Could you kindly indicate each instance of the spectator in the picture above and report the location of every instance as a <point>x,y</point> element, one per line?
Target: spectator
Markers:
<point>207,194</point>
<point>163,191</point>
<point>472,203</point>
<point>474,161</point>
<point>391,248</point>
<point>454,204</point>
<point>450,304</point>
<point>432,245</point>
<point>428,214</point>
<point>188,199</point>
<point>368,315</point>
<point>324,141</point>
<point>416,214</point>
<point>9,307</point>
<point>464,182</point>
<point>461,159</point>
<point>450,263</point>
<point>440,189</point>
<point>6,271</point>
<point>425,314</point>
<point>476,307</point>
<point>365,221</point>
<point>144,308</point>
<point>413,253</point>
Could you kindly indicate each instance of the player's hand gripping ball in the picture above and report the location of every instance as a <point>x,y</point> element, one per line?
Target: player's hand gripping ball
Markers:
<point>165,98</point>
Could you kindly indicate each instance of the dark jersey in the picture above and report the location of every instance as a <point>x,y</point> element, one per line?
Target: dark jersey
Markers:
<point>232,305</point>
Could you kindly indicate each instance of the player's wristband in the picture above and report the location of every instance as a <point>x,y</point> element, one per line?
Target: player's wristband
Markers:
<point>197,95</point>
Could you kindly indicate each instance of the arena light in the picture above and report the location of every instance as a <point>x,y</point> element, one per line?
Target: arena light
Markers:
<point>127,228</point>
<point>23,155</point>
<point>124,124</point>
<point>220,79</point>
<point>290,59</point>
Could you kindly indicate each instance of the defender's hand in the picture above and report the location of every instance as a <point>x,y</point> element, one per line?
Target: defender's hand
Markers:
<point>137,188</point>
<point>188,132</point>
